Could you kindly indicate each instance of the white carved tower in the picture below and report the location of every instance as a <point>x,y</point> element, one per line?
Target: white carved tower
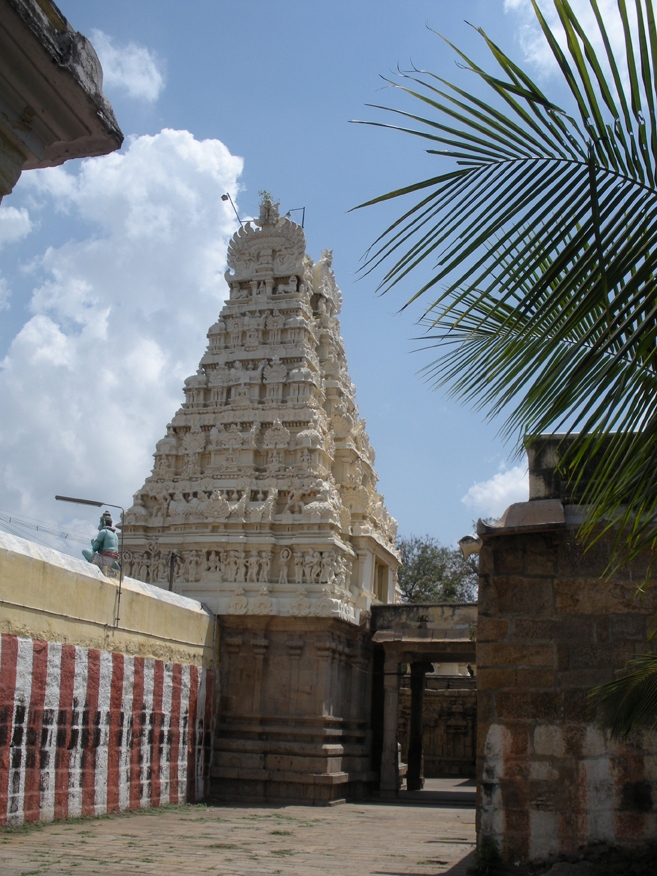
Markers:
<point>263,498</point>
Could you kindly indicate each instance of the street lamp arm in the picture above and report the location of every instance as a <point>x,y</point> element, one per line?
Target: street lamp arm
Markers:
<point>81,501</point>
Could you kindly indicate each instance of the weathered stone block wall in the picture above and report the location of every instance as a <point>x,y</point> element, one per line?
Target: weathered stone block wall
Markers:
<point>293,720</point>
<point>551,627</point>
<point>86,730</point>
<point>449,729</point>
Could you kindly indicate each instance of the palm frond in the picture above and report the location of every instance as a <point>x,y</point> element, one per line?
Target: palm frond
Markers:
<point>543,238</point>
<point>630,702</point>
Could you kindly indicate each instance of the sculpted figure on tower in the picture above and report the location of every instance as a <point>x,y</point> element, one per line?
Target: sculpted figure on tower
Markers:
<point>264,487</point>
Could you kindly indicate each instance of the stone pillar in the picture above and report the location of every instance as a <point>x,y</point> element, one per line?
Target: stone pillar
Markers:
<point>368,573</point>
<point>260,646</point>
<point>324,652</point>
<point>390,588</point>
<point>295,647</point>
<point>415,774</point>
<point>358,671</point>
<point>390,752</point>
<point>337,687</point>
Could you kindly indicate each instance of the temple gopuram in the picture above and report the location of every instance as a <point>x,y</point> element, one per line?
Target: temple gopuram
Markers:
<point>262,504</point>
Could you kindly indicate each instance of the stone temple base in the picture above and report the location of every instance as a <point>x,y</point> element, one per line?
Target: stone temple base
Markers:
<point>293,714</point>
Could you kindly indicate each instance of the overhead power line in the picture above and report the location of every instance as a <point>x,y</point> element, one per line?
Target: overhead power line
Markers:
<point>12,522</point>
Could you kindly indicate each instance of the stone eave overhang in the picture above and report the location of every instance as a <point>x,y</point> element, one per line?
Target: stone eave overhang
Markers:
<point>537,515</point>
<point>52,107</point>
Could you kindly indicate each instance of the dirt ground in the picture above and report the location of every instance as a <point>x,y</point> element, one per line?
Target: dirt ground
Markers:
<point>353,839</point>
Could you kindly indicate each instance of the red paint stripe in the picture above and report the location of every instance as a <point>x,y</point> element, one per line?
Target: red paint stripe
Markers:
<point>116,733</point>
<point>207,730</point>
<point>157,730</point>
<point>7,693</point>
<point>63,755</point>
<point>191,734</point>
<point>90,733</point>
<point>137,733</point>
<point>174,746</point>
<point>32,801</point>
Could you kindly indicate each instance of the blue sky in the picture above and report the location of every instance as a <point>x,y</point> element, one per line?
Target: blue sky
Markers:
<point>111,270</point>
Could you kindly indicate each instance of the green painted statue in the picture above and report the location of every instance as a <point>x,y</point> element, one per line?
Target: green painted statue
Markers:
<point>105,547</point>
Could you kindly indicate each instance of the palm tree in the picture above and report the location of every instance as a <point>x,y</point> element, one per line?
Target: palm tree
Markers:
<point>543,237</point>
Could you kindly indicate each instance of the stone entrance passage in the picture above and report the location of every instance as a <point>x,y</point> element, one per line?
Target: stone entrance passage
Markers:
<point>449,722</point>
<point>416,636</point>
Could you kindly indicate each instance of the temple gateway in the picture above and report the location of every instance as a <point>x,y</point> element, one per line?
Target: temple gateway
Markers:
<point>262,504</point>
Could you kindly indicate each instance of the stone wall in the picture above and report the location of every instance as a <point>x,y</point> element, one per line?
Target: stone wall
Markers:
<point>97,717</point>
<point>293,721</point>
<point>449,724</point>
<point>551,627</point>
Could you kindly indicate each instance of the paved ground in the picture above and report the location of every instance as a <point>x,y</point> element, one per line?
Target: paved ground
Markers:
<point>354,839</point>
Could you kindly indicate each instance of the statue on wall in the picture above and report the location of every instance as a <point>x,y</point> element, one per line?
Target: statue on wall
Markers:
<point>105,547</point>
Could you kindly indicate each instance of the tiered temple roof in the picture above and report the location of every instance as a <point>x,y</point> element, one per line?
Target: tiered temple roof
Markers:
<point>263,494</point>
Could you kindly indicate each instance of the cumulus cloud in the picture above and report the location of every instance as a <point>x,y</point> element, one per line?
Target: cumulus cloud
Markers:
<point>131,68</point>
<point>15,223</point>
<point>534,45</point>
<point>118,319</point>
<point>492,497</point>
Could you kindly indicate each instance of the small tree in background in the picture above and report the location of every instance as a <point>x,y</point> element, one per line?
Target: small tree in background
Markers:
<point>434,573</point>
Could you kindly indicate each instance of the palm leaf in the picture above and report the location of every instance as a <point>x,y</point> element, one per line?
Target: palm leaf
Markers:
<point>543,238</point>
<point>629,702</point>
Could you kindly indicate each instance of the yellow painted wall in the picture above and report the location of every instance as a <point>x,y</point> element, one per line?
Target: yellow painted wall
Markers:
<point>45,594</point>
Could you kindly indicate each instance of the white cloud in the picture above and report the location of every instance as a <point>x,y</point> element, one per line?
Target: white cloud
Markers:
<point>534,45</point>
<point>131,68</point>
<point>119,320</point>
<point>492,497</point>
<point>15,223</point>
<point>4,294</point>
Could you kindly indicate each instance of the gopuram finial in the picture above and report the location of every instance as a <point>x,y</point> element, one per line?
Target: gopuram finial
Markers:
<point>268,210</point>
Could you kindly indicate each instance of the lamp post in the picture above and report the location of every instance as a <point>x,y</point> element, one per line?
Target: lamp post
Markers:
<point>100,505</point>
<point>227,197</point>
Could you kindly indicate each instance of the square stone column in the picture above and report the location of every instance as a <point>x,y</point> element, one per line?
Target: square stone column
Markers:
<point>415,775</point>
<point>390,751</point>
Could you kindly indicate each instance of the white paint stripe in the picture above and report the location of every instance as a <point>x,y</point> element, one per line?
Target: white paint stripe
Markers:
<point>167,689</point>
<point>49,735</point>
<point>17,752</point>
<point>126,736</point>
<point>75,763</point>
<point>184,721</point>
<point>145,769</point>
<point>104,699</point>
<point>200,727</point>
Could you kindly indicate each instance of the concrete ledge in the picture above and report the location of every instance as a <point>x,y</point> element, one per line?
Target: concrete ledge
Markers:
<point>48,595</point>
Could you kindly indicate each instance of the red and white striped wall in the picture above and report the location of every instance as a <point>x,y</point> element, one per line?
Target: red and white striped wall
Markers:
<point>87,732</point>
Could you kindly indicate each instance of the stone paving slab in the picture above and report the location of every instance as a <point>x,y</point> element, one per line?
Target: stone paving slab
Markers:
<point>354,839</point>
